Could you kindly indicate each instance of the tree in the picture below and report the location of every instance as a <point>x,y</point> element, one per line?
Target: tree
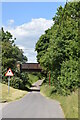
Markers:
<point>62,54</point>
<point>11,54</point>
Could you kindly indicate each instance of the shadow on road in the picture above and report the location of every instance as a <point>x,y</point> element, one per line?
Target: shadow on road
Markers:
<point>31,90</point>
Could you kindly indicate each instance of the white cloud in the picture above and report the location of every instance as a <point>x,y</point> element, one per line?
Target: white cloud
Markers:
<point>28,34</point>
<point>21,47</point>
<point>10,22</point>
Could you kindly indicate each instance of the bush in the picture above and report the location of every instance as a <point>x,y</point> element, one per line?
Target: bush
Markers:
<point>68,80</point>
<point>17,83</point>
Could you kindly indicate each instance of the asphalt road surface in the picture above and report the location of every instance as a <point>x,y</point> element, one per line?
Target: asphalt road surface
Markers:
<point>33,105</point>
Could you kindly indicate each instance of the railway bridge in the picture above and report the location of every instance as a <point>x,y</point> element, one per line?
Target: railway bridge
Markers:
<point>29,67</point>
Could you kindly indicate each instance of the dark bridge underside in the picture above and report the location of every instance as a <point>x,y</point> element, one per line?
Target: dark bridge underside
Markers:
<point>31,67</point>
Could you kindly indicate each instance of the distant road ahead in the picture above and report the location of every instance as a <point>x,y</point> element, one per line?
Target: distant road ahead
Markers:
<point>33,105</point>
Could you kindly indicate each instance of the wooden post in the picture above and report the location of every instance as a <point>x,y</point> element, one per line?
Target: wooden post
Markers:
<point>49,78</point>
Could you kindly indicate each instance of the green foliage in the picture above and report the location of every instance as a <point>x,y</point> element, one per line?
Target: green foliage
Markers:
<point>11,54</point>
<point>59,49</point>
<point>16,82</point>
<point>43,44</point>
<point>33,77</point>
<point>68,81</point>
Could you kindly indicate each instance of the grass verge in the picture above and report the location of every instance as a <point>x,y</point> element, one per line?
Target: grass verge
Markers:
<point>13,95</point>
<point>33,78</point>
<point>69,103</point>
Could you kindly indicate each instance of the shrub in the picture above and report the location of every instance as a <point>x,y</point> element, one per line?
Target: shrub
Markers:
<point>17,83</point>
<point>68,80</point>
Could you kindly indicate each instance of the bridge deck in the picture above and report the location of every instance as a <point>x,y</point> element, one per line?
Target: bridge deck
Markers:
<point>31,67</point>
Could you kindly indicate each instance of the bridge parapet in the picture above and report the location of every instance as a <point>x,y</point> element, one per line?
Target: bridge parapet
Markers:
<point>31,67</point>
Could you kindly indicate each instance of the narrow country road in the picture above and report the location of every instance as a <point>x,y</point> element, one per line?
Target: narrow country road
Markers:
<point>33,105</point>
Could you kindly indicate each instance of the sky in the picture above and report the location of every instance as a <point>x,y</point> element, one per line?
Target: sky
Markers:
<point>27,21</point>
